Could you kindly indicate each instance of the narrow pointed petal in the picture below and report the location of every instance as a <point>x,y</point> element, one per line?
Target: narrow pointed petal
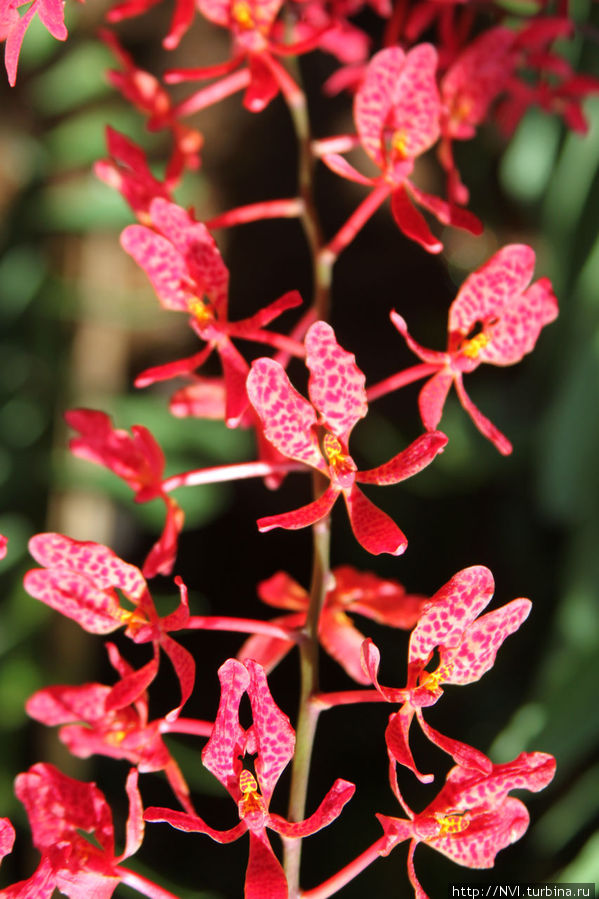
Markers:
<point>336,384</point>
<point>413,224</point>
<point>269,651</point>
<point>63,705</point>
<point>418,891</point>
<point>289,300</point>
<point>341,166</point>
<point>131,687</point>
<point>283,592</point>
<point>135,820</point>
<point>431,356</point>
<point>288,419</point>
<point>431,398</point>
<point>161,557</point>
<point>329,809</point>
<point>173,369</point>
<point>263,86</point>
<point>264,878</point>
<point>463,754</point>
<point>447,213</point>
<point>235,371</point>
<point>185,669</point>
<point>449,612</point>
<point>271,731</point>
<point>410,461</point>
<point>371,660</point>
<point>397,739</point>
<point>373,529</point>
<point>192,824</point>
<point>478,649</point>
<point>343,641</point>
<point>484,425</point>
<point>304,516</point>
<point>228,739</point>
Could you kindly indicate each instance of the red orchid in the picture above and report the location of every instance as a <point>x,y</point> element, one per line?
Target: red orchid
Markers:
<point>13,26</point>
<point>466,645</point>
<point>62,812</point>
<point>7,837</point>
<point>127,170</point>
<point>271,739</point>
<point>298,429</point>
<point>181,20</point>
<point>188,274</point>
<point>139,461</point>
<point>473,81</point>
<point>473,817</point>
<point>384,601</point>
<point>3,546</point>
<point>496,318</point>
<point>397,113</point>
<point>253,66</point>
<point>145,92</point>
<point>81,579</point>
<point>88,727</point>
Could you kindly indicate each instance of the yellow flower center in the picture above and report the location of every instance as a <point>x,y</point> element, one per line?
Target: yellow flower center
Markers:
<point>201,311</point>
<point>399,144</point>
<point>133,618</point>
<point>452,823</point>
<point>434,679</point>
<point>472,348</point>
<point>242,13</point>
<point>251,801</point>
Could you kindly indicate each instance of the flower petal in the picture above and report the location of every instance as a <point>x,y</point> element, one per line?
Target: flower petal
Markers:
<point>329,809</point>
<point>228,739</point>
<point>410,461</point>
<point>304,516</point>
<point>336,384</point>
<point>484,425</point>
<point>373,529</point>
<point>271,731</point>
<point>411,222</point>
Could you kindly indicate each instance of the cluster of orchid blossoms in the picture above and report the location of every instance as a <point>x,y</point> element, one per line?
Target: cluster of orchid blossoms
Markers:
<point>410,97</point>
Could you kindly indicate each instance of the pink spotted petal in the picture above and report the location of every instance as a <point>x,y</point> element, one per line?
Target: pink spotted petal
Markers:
<point>476,653</point>
<point>431,398</point>
<point>228,739</point>
<point>304,516</point>
<point>271,732</point>
<point>447,213</point>
<point>197,248</point>
<point>95,561</point>
<point>269,651</point>
<point>341,166</point>
<point>449,612</point>
<point>489,291</point>
<point>185,669</point>
<point>329,809</point>
<point>164,552</point>
<point>411,222</point>
<point>135,821</point>
<point>431,356</point>
<point>283,592</point>
<point>264,878</point>
<point>373,529</point>
<point>288,419</point>
<point>162,263</point>
<point>517,331</point>
<point>74,595</point>
<point>336,384</point>
<point>132,686</point>
<point>7,837</point>
<point>485,836</point>
<point>371,660</point>
<point>192,824</point>
<point>410,461</point>
<point>235,371</point>
<point>398,746</point>
<point>64,705</point>
<point>399,95</point>
<point>463,754</point>
<point>484,425</point>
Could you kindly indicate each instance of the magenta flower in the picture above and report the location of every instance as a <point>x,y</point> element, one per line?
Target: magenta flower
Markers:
<point>362,593</point>
<point>298,429</point>
<point>496,318</point>
<point>271,739</point>
<point>90,726</point>
<point>397,114</point>
<point>188,274</point>
<point>62,813</point>
<point>139,461</point>
<point>81,579</point>
<point>473,817</point>
<point>13,26</point>
<point>466,646</point>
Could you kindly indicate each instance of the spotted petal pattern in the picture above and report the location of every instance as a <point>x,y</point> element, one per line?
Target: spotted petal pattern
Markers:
<point>336,383</point>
